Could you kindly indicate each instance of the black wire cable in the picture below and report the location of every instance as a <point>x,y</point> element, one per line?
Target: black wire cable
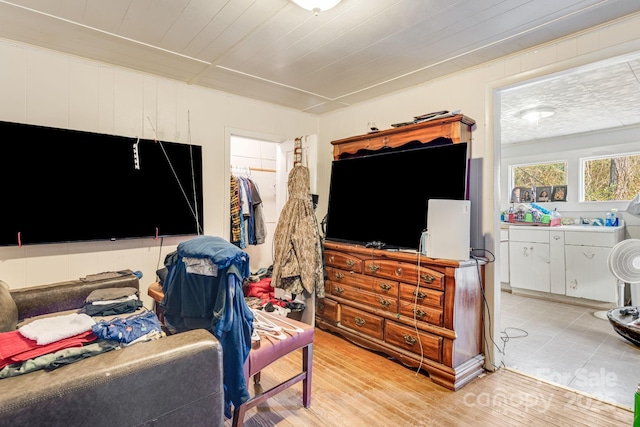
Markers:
<point>504,336</point>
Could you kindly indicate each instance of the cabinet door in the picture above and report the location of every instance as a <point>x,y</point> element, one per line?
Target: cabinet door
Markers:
<point>557,267</point>
<point>588,274</point>
<point>504,256</point>
<point>529,266</point>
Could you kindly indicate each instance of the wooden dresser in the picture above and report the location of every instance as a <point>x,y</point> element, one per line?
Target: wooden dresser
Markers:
<point>456,128</point>
<point>424,312</point>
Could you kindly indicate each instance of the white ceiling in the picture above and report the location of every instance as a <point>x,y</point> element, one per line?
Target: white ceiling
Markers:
<point>597,97</point>
<point>274,51</point>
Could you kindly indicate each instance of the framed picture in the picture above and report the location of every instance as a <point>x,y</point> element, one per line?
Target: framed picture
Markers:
<point>515,194</point>
<point>522,195</point>
<point>526,195</point>
<point>543,194</point>
<point>559,193</point>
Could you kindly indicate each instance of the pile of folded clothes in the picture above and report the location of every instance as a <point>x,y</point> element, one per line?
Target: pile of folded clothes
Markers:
<point>51,341</point>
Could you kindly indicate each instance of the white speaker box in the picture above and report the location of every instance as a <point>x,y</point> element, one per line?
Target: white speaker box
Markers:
<point>448,233</point>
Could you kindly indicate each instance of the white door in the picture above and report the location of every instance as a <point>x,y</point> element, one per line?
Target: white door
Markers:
<point>556,262</point>
<point>529,266</point>
<point>588,274</point>
<point>504,256</point>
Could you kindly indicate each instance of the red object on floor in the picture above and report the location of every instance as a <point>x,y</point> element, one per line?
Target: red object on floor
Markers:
<point>260,289</point>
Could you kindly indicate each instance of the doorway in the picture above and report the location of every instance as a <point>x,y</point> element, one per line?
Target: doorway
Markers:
<point>267,163</point>
<point>553,341</point>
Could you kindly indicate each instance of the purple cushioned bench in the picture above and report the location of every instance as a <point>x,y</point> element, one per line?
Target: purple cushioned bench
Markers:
<point>270,349</point>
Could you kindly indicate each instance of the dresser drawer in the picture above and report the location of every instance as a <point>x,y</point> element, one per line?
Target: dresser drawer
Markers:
<point>384,302</point>
<point>361,281</point>
<point>421,313</point>
<point>328,309</point>
<point>363,322</point>
<point>342,260</point>
<point>407,338</point>
<point>404,272</point>
<point>421,295</point>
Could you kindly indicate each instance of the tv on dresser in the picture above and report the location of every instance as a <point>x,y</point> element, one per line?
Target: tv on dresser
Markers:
<point>384,197</point>
<point>423,311</point>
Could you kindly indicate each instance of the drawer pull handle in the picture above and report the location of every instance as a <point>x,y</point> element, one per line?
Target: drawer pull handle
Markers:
<point>428,278</point>
<point>409,339</point>
<point>338,290</point>
<point>419,313</point>
<point>419,295</point>
<point>320,306</point>
<point>359,321</point>
<point>385,287</point>
<point>383,302</point>
<point>374,268</point>
<point>398,272</point>
<point>350,263</point>
<point>339,276</point>
<point>589,255</point>
<point>331,259</point>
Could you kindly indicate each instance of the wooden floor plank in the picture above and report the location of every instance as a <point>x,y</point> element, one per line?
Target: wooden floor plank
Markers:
<point>356,387</point>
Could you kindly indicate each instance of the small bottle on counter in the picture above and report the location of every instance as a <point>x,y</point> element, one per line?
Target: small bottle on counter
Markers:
<point>612,218</point>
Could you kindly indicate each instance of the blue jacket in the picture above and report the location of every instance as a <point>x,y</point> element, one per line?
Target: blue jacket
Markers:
<point>203,289</point>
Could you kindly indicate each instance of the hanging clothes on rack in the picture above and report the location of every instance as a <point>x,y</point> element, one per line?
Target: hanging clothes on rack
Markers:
<point>247,219</point>
<point>259,227</point>
<point>235,211</point>
<point>298,264</point>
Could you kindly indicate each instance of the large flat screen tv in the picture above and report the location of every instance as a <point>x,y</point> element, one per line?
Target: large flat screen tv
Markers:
<point>384,197</point>
<point>60,185</point>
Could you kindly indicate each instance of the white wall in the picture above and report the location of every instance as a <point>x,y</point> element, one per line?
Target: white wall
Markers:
<point>46,88</point>
<point>472,91</point>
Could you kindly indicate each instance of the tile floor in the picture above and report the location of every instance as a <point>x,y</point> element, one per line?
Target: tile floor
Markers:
<point>568,345</point>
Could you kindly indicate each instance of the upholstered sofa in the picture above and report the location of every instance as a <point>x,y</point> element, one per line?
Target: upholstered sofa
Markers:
<point>174,380</point>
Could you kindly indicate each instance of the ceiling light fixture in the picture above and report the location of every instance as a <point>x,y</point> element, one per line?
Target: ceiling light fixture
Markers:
<point>316,6</point>
<point>536,113</point>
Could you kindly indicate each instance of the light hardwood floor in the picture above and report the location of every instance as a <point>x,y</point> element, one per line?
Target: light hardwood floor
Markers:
<point>355,387</point>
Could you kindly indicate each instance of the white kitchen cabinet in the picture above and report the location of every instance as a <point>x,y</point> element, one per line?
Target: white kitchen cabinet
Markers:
<point>566,260</point>
<point>556,262</point>
<point>504,255</point>
<point>529,259</point>
<point>587,272</point>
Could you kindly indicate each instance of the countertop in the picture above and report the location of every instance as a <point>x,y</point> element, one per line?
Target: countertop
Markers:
<point>590,228</point>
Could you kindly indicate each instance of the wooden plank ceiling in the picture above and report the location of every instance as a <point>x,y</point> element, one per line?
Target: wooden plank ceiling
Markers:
<point>273,50</point>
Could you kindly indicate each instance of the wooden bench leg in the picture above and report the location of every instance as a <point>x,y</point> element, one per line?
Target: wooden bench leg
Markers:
<point>307,366</point>
<point>304,376</point>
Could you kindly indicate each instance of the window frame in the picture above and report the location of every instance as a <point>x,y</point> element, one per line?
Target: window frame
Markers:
<point>581,181</point>
<point>545,162</point>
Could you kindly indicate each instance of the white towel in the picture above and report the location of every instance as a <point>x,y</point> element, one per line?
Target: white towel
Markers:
<point>51,329</point>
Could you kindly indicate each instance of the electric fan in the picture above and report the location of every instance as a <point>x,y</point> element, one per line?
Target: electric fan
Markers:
<point>624,264</point>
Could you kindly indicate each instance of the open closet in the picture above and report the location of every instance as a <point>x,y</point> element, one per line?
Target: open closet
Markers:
<point>265,165</point>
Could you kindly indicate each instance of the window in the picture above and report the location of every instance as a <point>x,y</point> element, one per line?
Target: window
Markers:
<point>539,175</point>
<point>611,178</point>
